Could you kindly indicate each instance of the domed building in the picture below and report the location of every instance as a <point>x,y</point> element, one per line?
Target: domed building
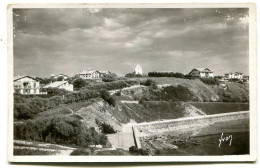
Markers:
<point>138,70</point>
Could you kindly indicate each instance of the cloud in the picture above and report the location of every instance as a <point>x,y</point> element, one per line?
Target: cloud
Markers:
<point>51,41</point>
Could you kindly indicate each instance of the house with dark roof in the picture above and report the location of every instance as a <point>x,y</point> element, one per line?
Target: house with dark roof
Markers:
<point>26,85</point>
<point>102,73</point>
<point>89,74</point>
<point>202,73</point>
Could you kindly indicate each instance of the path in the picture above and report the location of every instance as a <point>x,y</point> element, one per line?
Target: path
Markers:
<point>124,139</point>
<point>129,101</point>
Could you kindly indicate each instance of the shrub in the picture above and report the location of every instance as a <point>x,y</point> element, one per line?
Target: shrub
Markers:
<point>107,97</point>
<point>79,83</point>
<point>133,82</point>
<point>64,130</point>
<point>54,91</point>
<point>79,152</point>
<point>166,74</point>
<point>105,128</point>
<point>118,93</point>
<point>107,85</point>
<point>135,151</point>
<point>132,75</point>
<point>149,82</point>
<point>109,78</point>
<point>35,105</point>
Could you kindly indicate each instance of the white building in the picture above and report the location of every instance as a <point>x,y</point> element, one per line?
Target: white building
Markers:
<point>89,74</point>
<point>202,73</point>
<point>26,85</point>
<point>59,75</point>
<point>61,85</point>
<point>234,75</point>
<point>138,70</point>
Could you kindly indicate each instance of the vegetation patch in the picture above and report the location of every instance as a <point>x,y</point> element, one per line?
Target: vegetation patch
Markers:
<point>210,81</point>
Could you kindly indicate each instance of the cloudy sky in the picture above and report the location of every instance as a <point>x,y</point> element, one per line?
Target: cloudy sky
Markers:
<point>51,41</point>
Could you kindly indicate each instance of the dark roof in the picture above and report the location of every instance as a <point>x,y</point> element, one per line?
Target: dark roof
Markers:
<point>20,77</point>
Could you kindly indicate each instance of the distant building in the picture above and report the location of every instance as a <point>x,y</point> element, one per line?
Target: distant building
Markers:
<point>138,70</point>
<point>61,85</point>
<point>26,85</point>
<point>59,75</point>
<point>202,73</point>
<point>102,73</point>
<point>89,74</point>
<point>234,75</point>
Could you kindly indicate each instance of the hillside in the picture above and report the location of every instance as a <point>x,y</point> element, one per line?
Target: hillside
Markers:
<point>232,92</point>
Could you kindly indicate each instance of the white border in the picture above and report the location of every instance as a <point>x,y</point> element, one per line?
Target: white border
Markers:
<point>253,91</point>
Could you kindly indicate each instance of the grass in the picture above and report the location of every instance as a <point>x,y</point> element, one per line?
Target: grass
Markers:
<point>22,152</point>
<point>153,110</point>
<point>64,109</point>
<point>215,108</point>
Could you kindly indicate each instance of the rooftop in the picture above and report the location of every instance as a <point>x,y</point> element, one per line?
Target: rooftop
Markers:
<point>55,84</point>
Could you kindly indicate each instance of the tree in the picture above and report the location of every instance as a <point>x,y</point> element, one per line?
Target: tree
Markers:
<point>107,97</point>
<point>60,78</point>
<point>45,81</point>
<point>79,83</point>
<point>109,78</point>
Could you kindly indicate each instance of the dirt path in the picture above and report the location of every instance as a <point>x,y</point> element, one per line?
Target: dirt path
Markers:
<point>129,101</point>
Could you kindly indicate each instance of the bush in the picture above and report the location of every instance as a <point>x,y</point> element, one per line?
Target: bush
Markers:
<point>105,128</point>
<point>133,75</point>
<point>150,82</point>
<point>62,130</point>
<point>80,152</point>
<point>133,82</point>
<point>135,151</point>
<point>109,78</point>
<point>166,74</point>
<point>35,105</point>
<point>210,81</point>
<point>79,83</point>
<point>107,97</point>
<point>54,91</point>
<point>107,85</point>
<point>118,93</point>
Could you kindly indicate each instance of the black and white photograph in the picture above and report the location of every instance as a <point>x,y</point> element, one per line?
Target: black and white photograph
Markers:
<point>141,82</point>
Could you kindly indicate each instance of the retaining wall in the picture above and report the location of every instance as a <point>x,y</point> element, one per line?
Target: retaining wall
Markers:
<point>167,126</point>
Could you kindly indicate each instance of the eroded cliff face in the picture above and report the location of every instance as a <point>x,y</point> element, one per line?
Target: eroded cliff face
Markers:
<point>124,112</point>
<point>100,111</point>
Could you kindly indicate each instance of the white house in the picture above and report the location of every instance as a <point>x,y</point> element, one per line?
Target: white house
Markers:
<point>234,75</point>
<point>138,70</point>
<point>202,73</point>
<point>61,85</point>
<point>59,75</point>
<point>89,74</point>
<point>26,85</point>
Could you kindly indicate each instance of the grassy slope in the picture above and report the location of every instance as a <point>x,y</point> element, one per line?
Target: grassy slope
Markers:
<point>204,92</point>
<point>215,108</point>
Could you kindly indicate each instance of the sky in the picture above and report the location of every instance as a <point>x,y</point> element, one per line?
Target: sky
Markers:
<point>53,41</point>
